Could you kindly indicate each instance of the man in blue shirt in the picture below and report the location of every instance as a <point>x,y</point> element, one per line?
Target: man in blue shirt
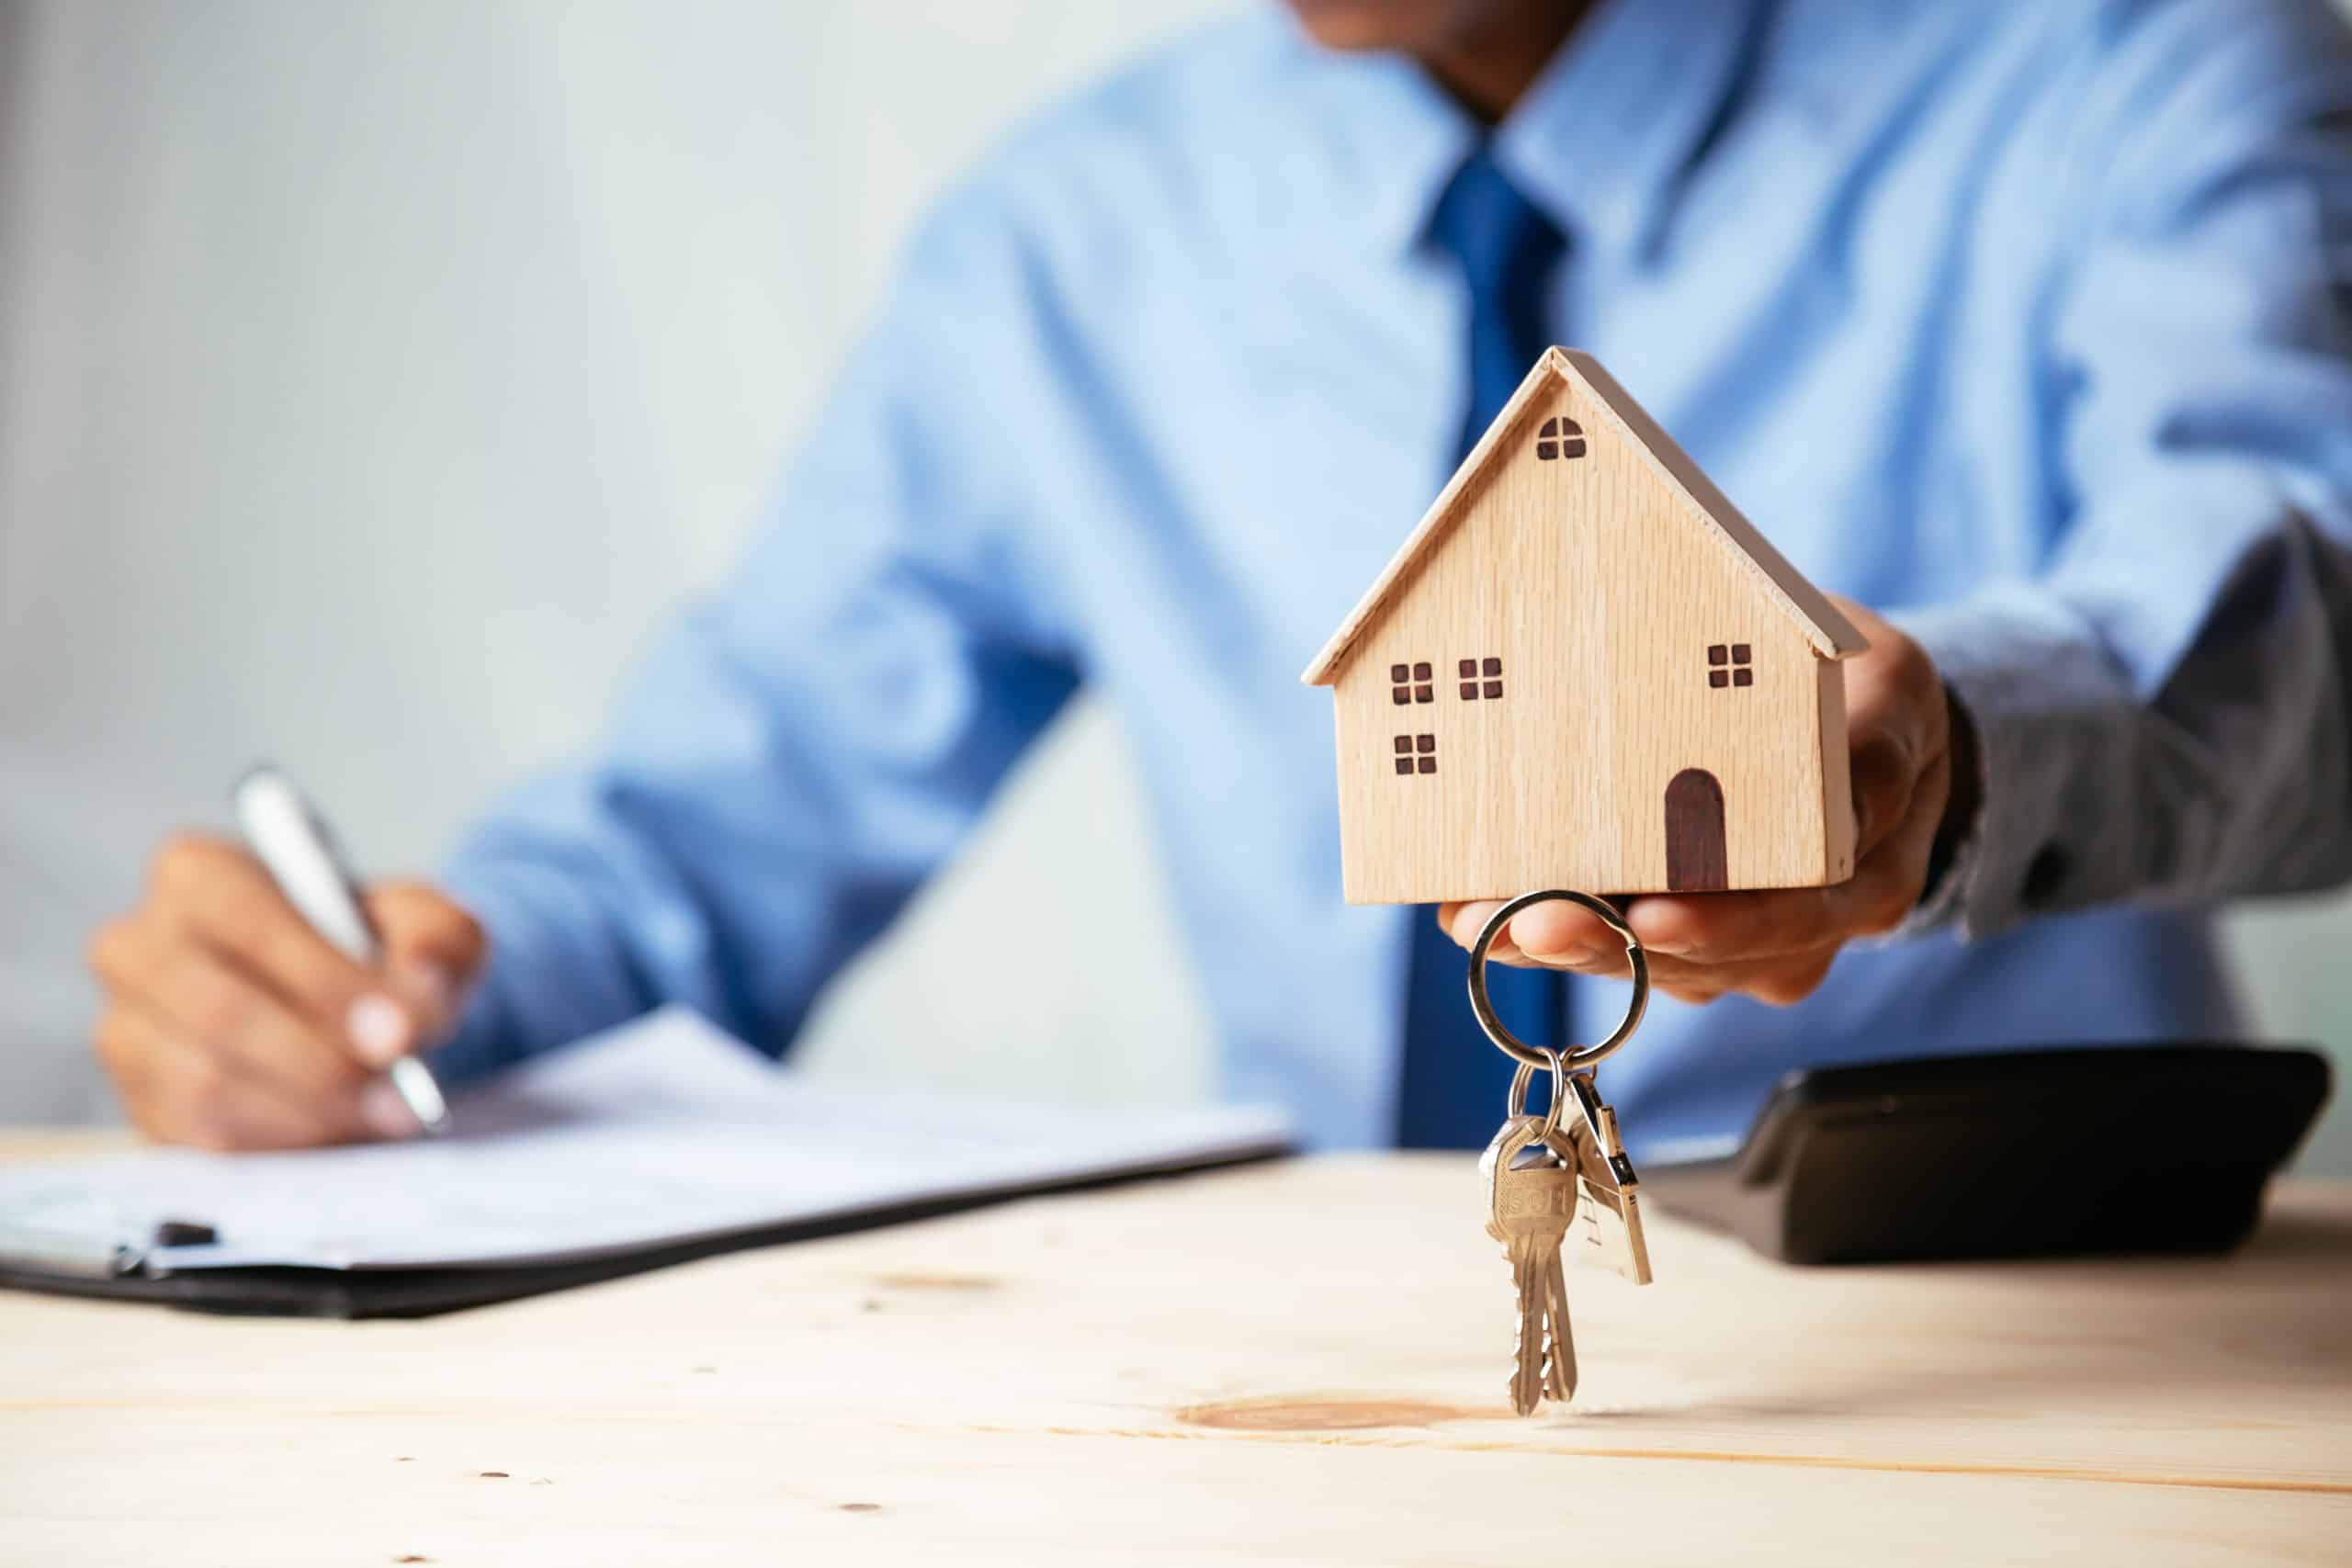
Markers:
<point>2026,325</point>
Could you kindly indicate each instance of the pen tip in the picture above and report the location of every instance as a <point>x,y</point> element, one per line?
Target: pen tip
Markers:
<point>423,1096</point>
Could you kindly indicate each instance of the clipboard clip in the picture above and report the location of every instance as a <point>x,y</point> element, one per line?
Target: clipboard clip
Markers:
<point>83,1237</point>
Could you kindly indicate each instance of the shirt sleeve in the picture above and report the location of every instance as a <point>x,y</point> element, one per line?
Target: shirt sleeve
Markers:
<point>2162,712</point>
<point>799,752</point>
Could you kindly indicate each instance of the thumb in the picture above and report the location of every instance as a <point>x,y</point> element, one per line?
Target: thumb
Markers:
<point>1896,718</point>
<point>432,950</point>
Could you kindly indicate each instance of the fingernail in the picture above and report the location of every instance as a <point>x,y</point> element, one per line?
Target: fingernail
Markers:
<point>379,1030</point>
<point>1675,946</point>
<point>1571,958</point>
<point>385,1112</point>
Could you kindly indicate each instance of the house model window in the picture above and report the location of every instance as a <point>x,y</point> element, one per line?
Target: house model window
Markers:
<point>1559,438</point>
<point>1481,675</point>
<point>1412,683</point>
<point>1727,665</point>
<point>1416,753</point>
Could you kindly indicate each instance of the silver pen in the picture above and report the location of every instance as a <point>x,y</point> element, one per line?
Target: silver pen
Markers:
<point>294,842</point>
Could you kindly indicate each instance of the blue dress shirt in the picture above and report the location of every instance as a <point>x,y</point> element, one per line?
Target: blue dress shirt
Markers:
<point>2028,323</point>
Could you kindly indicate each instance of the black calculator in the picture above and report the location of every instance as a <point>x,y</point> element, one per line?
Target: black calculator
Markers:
<point>2077,1151</point>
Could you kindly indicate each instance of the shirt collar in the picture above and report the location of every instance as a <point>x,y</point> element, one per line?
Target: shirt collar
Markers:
<point>1603,137</point>
<point>1391,139</point>
<point>1598,141</point>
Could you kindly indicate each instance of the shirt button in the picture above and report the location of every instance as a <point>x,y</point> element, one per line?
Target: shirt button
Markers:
<point>2044,875</point>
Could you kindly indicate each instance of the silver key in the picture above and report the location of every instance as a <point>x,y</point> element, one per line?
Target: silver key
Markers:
<point>1609,1208</point>
<point>1528,1208</point>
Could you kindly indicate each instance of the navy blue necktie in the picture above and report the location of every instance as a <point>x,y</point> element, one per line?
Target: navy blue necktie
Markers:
<point>1451,1091</point>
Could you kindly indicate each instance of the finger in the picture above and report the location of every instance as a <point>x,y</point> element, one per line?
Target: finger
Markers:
<point>1684,978</point>
<point>1882,773</point>
<point>1788,982</point>
<point>1743,928</point>
<point>1557,934</point>
<point>1452,921</point>
<point>1780,982</point>
<point>1780,979</point>
<point>1464,921</point>
<point>138,1057</point>
<point>200,996</point>
<point>1509,957</point>
<point>1725,928</point>
<point>1704,983</point>
<point>221,897</point>
<point>178,1092</point>
<point>1710,928</point>
<point>432,949</point>
<point>1897,723</point>
<point>123,1050</point>
<point>1885,886</point>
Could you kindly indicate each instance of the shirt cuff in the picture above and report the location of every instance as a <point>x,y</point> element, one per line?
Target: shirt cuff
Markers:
<point>480,1045</point>
<point>547,981</point>
<point>1954,856</point>
<point>476,1048</point>
<point>2054,722</point>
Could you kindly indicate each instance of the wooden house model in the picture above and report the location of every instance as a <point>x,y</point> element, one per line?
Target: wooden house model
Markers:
<point>1585,669</point>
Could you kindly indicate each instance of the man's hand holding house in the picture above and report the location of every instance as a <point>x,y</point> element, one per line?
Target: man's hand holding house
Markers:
<point>1908,746</point>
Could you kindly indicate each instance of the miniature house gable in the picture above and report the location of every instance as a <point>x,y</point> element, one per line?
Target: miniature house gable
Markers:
<point>1585,669</point>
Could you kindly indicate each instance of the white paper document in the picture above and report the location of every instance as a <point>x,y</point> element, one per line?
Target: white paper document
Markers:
<point>663,1131</point>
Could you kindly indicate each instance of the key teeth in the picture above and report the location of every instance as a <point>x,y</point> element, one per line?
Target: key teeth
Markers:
<point>1540,1376</point>
<point>1527,1374</point>
<point>1535,1379</point>
<point>1545,1385</point>
<point>1557,1383</point>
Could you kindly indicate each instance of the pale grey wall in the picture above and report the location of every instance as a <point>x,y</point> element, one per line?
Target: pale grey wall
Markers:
<point>373,378</point>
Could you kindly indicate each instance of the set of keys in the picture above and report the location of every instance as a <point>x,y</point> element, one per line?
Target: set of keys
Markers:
<point>1562,1174</point>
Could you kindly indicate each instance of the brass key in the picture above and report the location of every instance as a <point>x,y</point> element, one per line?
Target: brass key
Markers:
<point>1532,1186</point>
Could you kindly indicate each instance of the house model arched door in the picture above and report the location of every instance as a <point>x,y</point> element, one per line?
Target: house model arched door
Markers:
<point>1695,861</point>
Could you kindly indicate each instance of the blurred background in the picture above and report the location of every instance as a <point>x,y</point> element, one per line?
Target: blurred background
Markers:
<point>375,377</point>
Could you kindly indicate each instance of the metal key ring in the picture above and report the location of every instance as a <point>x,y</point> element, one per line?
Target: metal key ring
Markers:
<point>1517,1104</point>
<point>1584,1058</point>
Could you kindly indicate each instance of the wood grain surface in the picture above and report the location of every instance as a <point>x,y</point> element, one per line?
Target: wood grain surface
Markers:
<point>1303,1363</point>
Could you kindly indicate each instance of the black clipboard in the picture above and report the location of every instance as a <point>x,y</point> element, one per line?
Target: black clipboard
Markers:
<point>281,1292</point>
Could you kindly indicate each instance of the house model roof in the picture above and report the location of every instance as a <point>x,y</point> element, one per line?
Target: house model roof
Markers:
<point>1832,635</point>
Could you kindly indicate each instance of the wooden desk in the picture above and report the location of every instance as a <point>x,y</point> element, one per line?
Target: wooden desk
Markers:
<point>1301,1364</point>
